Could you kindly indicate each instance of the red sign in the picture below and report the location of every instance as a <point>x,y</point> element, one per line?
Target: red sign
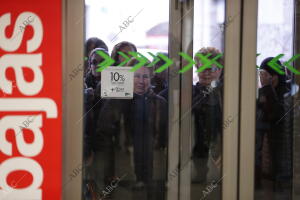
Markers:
<point>30,99</point>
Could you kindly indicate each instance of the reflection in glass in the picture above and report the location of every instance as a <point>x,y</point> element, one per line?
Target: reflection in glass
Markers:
<point>207,100</point>
<point>125,140</point>
<point>207,113</point>
<point>275,103</point>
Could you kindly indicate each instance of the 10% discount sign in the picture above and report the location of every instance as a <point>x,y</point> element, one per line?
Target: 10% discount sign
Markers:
<point>117,83</point>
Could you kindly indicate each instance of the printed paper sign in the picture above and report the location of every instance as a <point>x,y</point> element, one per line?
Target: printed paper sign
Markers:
<point>117,83</point>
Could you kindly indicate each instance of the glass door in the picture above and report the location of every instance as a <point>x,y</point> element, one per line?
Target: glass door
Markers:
<point>277,106</point>
<point>126,147</point>
<point>176,134</point>
<point>268,150</point>
<point>209,122</point>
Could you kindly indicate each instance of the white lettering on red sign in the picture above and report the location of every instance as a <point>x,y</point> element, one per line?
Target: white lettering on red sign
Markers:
<point>33,62</point>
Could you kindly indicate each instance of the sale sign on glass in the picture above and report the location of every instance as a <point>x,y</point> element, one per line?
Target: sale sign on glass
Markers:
<point>30,99</point>
<point>117,83</point>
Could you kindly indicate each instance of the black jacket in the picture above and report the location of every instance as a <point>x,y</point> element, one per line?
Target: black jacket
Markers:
<point>92,106</point>
<point>147,113</point>
<point>207,111</point>
<point>274,106</point>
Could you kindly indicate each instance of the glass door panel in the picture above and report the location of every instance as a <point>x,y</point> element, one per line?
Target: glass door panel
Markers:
<point>205,116</point>
<point>277,107</point>
<point>126,140</point>
<point>207,100</point>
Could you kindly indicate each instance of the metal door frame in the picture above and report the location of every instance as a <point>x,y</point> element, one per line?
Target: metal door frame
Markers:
<point>248,87</point>
<point>296,128</point>
<point>73,49</point>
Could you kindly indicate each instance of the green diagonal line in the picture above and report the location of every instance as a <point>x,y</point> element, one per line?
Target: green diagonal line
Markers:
<point>275,66</point>
<point>107,62</point>
<point>156,59</point>
<point>215,60</point>
<point>207,62</point>
<point>166,65</point>
<point>189,59</point>
<point>206,57</point>
<point>142,60</point>
<point>291,68</point>
<point>126,58</point>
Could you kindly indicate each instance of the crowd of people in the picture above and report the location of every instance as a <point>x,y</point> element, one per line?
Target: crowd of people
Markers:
<point>145,120</point>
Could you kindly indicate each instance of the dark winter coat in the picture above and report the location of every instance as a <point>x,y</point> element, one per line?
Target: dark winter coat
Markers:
<point>144,113</point>
<point>207,111</point>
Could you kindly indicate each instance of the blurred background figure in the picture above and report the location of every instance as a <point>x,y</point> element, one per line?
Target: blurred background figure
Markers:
<point>147,118</point>
<point>207,112</point>
<point>123,47</point>
<point>273,129</point>
<point>90,44</point>
<point>159,81</point>
<point>92,106</point>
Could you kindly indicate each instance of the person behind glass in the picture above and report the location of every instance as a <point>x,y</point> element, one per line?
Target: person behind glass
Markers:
<point>270,123</point>
<point>207,112</point>
<point>159,84</point>
<point>92,92</point>
<point>159,81</point>
<point>146,116</point>
<point>123,47</point>
<point>93,84</point>
<point>90,44</point>
<point>92,106</point>
<point>144,121</point>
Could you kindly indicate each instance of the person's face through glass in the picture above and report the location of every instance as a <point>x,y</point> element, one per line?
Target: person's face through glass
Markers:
<point>125,50</point>
<point>208,75</point>
<point>267,79</point>
<point>141,80</point>
<point>95,61</point>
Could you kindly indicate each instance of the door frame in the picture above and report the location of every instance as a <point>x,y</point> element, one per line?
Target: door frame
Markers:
<point>73,56</point>
<point>248,87</point>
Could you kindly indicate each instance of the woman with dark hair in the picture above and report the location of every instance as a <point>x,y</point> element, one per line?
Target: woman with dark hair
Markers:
<point>90,45</point>
<point>92,99</point>
<point>92,106</point>
<point>123,47</point>
<point>270,126</point>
